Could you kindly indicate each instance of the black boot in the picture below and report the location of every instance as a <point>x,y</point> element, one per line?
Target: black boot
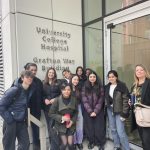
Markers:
<point>71,147</point>
<point>74,146</point>
<point>90,145</point>
<point>101,147</point>
<point>80,146</point>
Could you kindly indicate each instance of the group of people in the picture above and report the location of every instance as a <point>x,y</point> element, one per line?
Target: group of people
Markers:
<point>74,108</point>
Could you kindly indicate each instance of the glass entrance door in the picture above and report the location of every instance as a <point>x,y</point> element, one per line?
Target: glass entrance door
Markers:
<point>130,45</point>
<point>127,43</point>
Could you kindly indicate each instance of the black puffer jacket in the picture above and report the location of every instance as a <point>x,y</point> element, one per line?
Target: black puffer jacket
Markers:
<point>13,104</point>
<point>120,99</point>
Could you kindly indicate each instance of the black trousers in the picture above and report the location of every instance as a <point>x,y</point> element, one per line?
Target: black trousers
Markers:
<point>35,132</point>
<point>35,136</point>
<point>95,128</point>
<point>145,137</point>
<point>11,132</point>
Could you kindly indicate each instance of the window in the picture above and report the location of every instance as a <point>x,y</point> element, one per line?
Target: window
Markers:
<point>94,48</point>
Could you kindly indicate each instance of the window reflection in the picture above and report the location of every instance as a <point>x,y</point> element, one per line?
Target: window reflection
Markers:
<point>111,6</point>
<point>92,10</point>
<point>93,48</point>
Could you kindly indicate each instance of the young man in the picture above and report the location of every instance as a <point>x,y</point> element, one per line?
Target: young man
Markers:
<point>13,109</point>
<point>67,75</point>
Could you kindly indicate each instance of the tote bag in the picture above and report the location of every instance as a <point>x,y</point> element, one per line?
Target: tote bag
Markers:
<point>142,115</point>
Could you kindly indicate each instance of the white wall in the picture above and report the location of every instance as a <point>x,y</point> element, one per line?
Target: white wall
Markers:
<point>67,11</point>
<point>5,8</point>
<point>34,44</point>
<point>9,50</point>
<point>25,37</point>
<point>41,8</point>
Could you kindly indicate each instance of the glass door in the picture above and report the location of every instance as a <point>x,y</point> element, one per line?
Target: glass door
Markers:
<point>130,45</point>
<point>127,43</point>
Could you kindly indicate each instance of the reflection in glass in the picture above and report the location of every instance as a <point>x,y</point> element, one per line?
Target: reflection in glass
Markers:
<point>92,10</point>
<point>93,48</point>
<point>112,6</point>
<point>131,46</point>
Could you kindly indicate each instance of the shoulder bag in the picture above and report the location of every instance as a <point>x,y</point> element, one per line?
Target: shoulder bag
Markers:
<point>142,115</point>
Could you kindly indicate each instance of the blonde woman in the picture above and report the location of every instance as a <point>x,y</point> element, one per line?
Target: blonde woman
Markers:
<point>141,91</point>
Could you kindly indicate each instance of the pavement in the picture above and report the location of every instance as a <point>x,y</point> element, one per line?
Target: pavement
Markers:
<point>108,146</point>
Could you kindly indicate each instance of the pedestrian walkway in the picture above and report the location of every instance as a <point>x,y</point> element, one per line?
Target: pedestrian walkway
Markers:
<point>108,146</point>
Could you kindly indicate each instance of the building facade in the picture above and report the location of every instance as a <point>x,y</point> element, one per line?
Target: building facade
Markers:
<point>97,34</point>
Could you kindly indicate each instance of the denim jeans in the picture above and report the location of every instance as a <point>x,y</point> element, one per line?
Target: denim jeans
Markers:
<point>117,130</point>
<point>78,136</point>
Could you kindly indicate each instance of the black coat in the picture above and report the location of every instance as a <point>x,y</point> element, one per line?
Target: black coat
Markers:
<point>145,99</point>
<point>146,93</point>
<point>50,92</point>
<point>120,99</point>
<point>36,100</point>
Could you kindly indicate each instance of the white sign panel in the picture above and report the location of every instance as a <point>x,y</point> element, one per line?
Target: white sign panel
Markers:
<point>42,8</point>
<point>48,44</point>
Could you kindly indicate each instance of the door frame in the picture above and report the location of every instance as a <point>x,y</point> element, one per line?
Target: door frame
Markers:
<point>131,13</point>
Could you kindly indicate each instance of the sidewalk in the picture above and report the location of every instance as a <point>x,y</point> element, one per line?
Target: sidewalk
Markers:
<point>108,145</point>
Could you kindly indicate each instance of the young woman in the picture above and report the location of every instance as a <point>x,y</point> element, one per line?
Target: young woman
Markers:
<point>78,136</point>
<point>64,112</point>
<point>87,72</point>
<point>116,100</point>
<point>51,90</point>
<point>92,98</point>
<point>80,73</point>
<point>141,91</point>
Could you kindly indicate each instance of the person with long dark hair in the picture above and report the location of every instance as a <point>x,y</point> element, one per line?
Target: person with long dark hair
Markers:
<point>51,90</point>
<point>76,92</point>
<point>141,91</point>
<point>87,72</point>
<point>64,111</point>
<point>93,102</point>
<point>80,72</point>
<point>116,101</point>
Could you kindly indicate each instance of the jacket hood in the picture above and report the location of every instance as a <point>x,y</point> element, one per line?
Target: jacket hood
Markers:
<point>17,82</point>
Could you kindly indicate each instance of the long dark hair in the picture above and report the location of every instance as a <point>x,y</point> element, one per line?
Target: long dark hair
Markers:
<point>77,87</point>
<point>114,72</point>
<point>54,80</point>
<point>83,72</point>
<point>97,86</point>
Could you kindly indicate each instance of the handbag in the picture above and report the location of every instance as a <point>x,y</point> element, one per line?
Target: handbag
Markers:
<point>142,115</point>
